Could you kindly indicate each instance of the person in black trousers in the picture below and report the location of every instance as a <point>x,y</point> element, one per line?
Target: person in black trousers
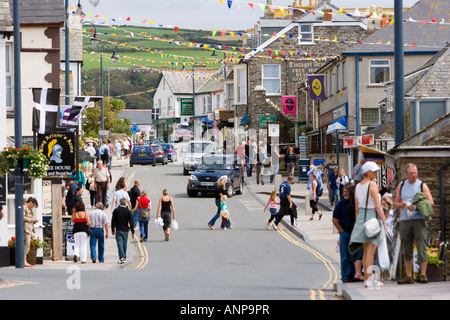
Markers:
<point>121,223</point>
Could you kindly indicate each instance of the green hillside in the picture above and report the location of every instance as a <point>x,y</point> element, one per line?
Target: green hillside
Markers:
<point>138,47</point>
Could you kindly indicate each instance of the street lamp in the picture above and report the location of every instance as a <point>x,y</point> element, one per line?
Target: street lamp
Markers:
<point>114,59</point>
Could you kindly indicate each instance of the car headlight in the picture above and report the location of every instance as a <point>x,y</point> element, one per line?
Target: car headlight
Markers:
<point>193,178</point>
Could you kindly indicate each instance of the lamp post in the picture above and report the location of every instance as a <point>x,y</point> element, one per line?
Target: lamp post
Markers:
<point>18,174</point>
<point>399,73</point>
<point>114,58</point>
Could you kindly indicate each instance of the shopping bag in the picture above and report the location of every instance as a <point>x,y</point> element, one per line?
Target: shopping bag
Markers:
<point>174,225</point>
<point>383,255</point>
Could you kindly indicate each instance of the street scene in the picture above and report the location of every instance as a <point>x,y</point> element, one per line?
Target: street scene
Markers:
<point>306,158</point>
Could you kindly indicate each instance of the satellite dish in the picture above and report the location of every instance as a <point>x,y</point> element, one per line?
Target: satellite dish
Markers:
<point>94,2</point>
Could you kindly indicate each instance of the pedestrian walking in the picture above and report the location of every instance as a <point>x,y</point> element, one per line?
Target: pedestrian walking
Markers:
<point>220,191</point>
<point>357,174</point>
<point>81,231</point>
<point>275,156</point>
<point>290,159</point>
<point>104,153</point>
<point>118,149</point>
<point>341,181</point>
<point>119,194</point>
<point>313,197</point>
<point>102,182</point>
<point>71,188</point>
<point>286,204</point>
<point>368,206</point>
<point>261,160</point>
<point>344,220</point>
<point>121,224</point>
<point>144,206</point>
<point>413,227</point>
<point>273,207</point>
<point>90,186</point>
<point>29,220</point>
<point>165,208</point>
<point>134,194</point>
<point>224,212</point>
<point>333,186</point>
<point>99,232</point>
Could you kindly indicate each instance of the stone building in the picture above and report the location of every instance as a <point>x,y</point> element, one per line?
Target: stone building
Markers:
<point>429,149</point>
<point>276,67</point>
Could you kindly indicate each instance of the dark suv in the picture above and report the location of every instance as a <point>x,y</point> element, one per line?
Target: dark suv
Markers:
<point>212,167</point>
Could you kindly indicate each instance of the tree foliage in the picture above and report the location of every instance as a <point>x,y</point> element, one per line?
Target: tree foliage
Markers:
<point>111,108</point>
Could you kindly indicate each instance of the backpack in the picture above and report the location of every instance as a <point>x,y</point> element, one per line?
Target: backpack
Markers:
<point>319,190</point>
<point>105,151</point>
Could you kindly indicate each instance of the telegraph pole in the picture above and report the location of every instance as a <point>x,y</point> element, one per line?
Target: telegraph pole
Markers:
<point>399,73</point>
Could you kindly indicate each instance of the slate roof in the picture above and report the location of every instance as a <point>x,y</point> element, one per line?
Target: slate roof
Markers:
<point>40,11</point>
<point>5,16</point>
<point>309,17</point>
<point>181,82</point>
<point>428,37</point>
<point>137,116</point>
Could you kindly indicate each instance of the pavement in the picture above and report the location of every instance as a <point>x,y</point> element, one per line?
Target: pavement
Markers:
<point>320,235</point>
<point>323,236</point>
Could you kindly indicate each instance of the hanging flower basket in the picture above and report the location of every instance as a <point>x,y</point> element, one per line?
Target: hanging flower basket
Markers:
<point>34,162</point>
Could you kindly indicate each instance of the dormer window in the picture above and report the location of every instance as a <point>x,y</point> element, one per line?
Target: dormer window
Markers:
<point>306,34</point>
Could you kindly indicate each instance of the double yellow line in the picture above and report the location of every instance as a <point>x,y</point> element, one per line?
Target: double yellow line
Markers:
<point>333,274</point>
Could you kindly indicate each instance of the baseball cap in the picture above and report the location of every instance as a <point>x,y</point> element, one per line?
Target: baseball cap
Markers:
<point>370,166</point>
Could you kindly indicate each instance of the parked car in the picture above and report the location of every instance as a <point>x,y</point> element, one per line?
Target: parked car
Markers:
<point>142,155</point>
<point>195,150</point>
<point>184,134</point>
<point>172,153</point>
<point>212,167</point>
<point>160,154</point>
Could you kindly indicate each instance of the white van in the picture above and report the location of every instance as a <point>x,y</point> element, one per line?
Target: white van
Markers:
<point>195,150</point>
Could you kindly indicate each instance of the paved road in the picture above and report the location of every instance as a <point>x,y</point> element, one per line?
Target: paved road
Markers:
<point>247,262</point>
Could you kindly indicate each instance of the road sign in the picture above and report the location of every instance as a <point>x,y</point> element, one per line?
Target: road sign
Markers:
<point>104,132</point>
<point>134,129</point>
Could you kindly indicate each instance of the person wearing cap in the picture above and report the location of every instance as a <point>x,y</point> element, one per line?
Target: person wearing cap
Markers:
<point>412,227</point>
<point>367,206</point>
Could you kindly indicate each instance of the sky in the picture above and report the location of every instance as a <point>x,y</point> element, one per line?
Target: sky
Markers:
<point>201,14</point>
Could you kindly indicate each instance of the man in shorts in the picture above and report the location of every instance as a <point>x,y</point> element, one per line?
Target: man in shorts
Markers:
<point>413,227</point>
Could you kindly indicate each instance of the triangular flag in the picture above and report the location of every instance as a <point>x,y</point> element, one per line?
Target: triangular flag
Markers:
<point>176,29</point>
<point>214,33</point>
<point>341,10</point>
<point>251,5</point>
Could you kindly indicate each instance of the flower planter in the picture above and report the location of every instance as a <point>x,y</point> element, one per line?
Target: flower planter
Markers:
<point>434,273</point>
<point>13,163</point>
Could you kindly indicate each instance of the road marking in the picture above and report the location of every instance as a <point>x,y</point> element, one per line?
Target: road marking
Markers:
<point>312,296</point>
<point>16,283</point>
<point>144,256</point>
<point>333,274</point>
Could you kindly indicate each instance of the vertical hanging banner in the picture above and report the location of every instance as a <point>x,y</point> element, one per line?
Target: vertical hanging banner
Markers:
<point>290,105</point>
<point>317,86</point>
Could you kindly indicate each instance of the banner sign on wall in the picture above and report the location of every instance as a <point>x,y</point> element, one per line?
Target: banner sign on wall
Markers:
<point>59,148</point>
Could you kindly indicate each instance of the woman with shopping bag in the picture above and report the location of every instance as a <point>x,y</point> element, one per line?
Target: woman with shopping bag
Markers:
<point>165,209</point>
<point>370,225</point>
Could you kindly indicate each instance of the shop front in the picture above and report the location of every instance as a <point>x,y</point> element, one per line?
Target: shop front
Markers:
<point>165,128</point>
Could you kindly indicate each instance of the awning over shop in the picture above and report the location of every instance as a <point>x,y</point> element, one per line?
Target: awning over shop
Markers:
<point>339,124</point>
<point>377,156</point>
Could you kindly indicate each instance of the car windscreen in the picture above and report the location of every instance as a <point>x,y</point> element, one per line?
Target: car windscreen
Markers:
<point>201,147</point>
<point>142,149</point>
<point>215,164</point>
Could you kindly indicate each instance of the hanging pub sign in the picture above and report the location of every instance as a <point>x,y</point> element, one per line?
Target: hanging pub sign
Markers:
<point>59,148</point>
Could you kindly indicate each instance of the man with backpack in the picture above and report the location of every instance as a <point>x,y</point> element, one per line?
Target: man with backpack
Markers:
<point>104,153</point>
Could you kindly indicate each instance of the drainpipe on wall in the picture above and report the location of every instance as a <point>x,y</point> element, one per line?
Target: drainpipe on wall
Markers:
<point>442,199</point>
<point>357,94</point>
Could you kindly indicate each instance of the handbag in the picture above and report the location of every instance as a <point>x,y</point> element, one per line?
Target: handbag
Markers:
<point>145,212</point>
<point>372,226</point>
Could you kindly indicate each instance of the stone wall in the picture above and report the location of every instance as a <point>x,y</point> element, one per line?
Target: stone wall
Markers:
<point>289,43</point>
<point>428,169</point>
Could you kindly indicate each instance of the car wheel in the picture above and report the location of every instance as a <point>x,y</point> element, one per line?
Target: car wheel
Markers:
<point>154,164</point>
<point>185,172</point>
<point>230,190</point>
<point>241,187</point>
<point>191,193</point>
<point>131,164</point>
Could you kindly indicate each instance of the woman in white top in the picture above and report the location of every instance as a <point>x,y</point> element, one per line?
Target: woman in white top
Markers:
<point>313,198</point>
<point>367,192</point>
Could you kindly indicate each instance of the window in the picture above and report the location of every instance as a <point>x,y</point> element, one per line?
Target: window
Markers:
<point>306,34</point>
<point>344,75</point>
<point>379,71</point>
<point>338,78</point>
<point>229,97</point>
<point>369,116</point>
<point>9,78</point>
<point>242,86</point>
<point>271,79</point>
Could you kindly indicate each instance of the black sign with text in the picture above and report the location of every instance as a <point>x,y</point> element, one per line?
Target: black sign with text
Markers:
<point>59,148</point>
